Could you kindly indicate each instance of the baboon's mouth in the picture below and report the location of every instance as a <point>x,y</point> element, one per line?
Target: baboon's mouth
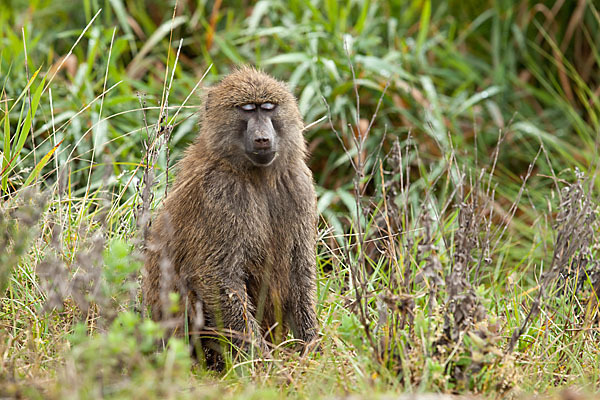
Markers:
<point>262,158</point>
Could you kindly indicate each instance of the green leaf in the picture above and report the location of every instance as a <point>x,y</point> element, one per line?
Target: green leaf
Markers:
<point>6,151</point>
<point>36,171</point>
<point>228,49</point>
<point>156,37</point>
<point>259,10</point>
<point>360,23</point>
<point>476,98</point>
<point>325,200</point>
<point>423,27</point>
<point>35,74</point>
<point>25,129</point>
<point>287,58</point>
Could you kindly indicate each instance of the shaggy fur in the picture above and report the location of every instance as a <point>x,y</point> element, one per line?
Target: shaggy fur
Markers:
<point>237,241</point>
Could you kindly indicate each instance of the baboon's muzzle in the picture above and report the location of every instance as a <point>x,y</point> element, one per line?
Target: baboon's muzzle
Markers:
<point>260,140</point>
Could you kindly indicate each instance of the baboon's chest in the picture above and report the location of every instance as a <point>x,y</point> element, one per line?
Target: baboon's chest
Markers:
<point>273,226</point>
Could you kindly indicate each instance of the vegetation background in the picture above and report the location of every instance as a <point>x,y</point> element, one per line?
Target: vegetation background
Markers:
<point>455,151</point>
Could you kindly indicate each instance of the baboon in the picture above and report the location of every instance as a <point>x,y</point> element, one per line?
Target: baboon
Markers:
<point>236,236</point>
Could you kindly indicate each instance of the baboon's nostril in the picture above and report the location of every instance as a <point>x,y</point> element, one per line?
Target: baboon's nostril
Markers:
<point>262,143</point>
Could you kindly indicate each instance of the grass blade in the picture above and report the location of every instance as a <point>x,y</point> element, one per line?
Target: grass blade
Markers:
<point>6,149</point>
<point>36,171</point>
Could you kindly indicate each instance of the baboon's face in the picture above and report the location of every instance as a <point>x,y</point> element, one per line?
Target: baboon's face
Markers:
<point>252,120</point>
<point>260,138</point>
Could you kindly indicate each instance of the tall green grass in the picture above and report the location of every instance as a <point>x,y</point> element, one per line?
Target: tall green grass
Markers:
<point>459,232</point>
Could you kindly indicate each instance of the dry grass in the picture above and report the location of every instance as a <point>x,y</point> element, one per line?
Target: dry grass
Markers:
<point>447,263</point>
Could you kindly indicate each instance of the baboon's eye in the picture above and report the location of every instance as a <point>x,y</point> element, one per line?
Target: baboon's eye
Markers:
<point>267,106</point>
<point>248,107</point>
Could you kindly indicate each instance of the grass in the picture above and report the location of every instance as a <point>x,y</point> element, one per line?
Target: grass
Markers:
<point>454,148</point>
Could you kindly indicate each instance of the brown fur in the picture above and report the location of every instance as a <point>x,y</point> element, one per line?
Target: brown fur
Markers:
<point>237,241</point>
